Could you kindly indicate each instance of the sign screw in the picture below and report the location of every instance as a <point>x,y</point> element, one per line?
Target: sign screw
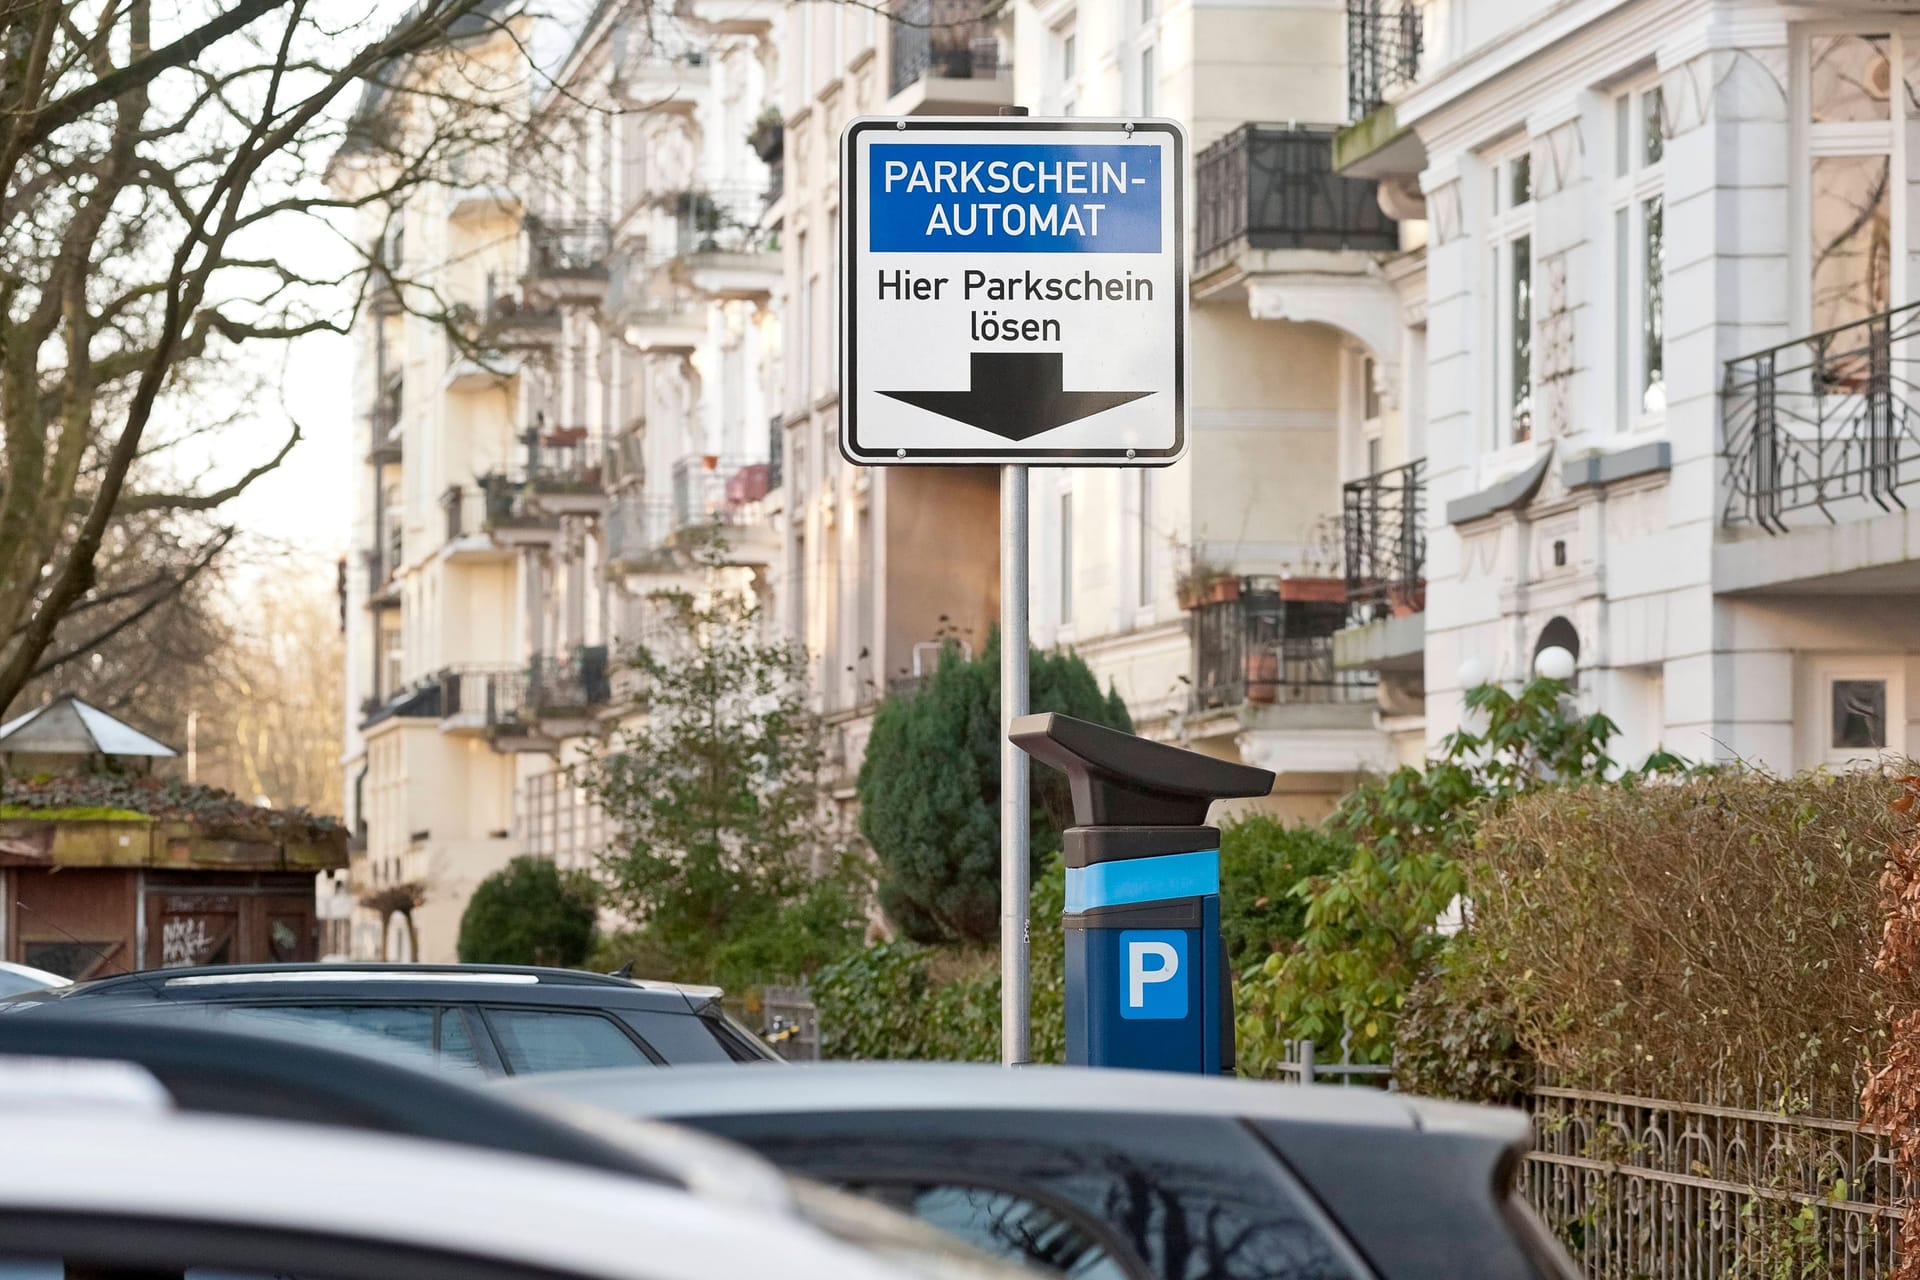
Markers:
<point>1128,126</point>
<point>901,454</point>
<point>1129,453</point>
<point>901,124</point>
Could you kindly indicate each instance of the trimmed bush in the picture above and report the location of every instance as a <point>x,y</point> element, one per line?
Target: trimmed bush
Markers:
<point>529,912</point>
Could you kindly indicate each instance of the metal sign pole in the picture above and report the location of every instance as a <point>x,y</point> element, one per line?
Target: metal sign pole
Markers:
<point>1015,828</point>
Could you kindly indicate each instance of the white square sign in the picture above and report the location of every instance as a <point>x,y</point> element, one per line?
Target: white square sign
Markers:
<point>1013,291</point>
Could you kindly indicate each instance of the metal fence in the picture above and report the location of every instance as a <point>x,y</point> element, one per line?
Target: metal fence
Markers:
<point>1262,647</point>
<point>1726,1184</point>
<point>581,247</point>
<point>1383,523</point>
<point>944,38</point>
<point>791,1025</point>
<point>1270,186</point>
<point>1384,43</point>
<point>1823,422</point>
<point>1300,1063</point>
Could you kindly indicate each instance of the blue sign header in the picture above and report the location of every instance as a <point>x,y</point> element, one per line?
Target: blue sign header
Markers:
<point>1009,198</point>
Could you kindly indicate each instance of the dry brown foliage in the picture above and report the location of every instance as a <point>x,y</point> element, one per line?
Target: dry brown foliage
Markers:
<point>1892,1095</point>
<point>1662,936</point>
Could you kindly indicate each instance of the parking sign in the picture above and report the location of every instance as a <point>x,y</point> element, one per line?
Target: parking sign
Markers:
<point>1013,291</point>
<point>1153,974</point>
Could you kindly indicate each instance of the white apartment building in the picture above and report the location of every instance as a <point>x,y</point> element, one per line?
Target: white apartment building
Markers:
<point>550,450</point>
<point>1667,298</point>
<point>1209,593</point>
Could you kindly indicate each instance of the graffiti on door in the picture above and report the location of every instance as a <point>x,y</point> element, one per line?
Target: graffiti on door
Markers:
<point>183,941</point>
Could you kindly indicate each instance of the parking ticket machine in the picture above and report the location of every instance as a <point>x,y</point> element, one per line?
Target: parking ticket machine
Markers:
<point>1147,981</point>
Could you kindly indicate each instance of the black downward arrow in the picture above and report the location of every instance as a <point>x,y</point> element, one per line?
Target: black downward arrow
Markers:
<point>1016,394</point>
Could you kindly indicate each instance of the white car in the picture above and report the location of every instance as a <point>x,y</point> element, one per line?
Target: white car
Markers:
<point>104,1179</point>
<point>15,978</point>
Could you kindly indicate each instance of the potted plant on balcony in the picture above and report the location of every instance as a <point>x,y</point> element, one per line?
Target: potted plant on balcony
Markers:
<point>1223,587</point>
<point>1263,674</point>
<point>767,137</point>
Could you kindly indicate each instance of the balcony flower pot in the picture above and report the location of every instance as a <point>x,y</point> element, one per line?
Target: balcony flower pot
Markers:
<point>710,461</point>
<point>1314,590</point>
<point>565,437</point>
<point>1407,599</point>
<point>1190,596</point>
<point>1263,676</point>
<point>1223,589</point>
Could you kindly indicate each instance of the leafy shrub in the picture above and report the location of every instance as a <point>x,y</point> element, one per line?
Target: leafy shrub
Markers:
<point>529,912</point>
<point>904,1000</point>
<point>1661,934</point>
<point>930,790</point>
<point>1261,860</point>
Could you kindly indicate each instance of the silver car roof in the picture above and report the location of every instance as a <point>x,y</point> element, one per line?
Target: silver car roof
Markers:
<point>912,1086</point>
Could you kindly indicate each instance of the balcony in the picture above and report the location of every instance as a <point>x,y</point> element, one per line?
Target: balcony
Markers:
<point>1384,47</point>
<point>665,82</point>
<point>648,309</point>
<point>512,321</point>
<point>1269,641</point>
<point>1383,521</point>
<point>567,261</point>
<point>565,469</point>
<point>509,513</point>
<point>720,249</point>
<point>719,508</point>
<point>466,693</point>
<point>639,534</point>
<point>383,433</point>
<point>1266,187</point>
<point>946,60</point>
<point>1820,447</point>
<point>470,523</point>
<point>527,707</point>
<point>417,702</point>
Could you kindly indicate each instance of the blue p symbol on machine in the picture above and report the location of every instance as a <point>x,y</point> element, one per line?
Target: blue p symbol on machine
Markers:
<point>1152,967</point>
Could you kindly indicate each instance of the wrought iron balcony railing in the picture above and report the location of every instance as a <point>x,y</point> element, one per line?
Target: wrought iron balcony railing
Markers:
<point>1383,52</point>
<point>712,490</point>
<point>1265,646</point>
<point>564,459</point>
<point>946,39</point>
<point>1824,423</point>
<point>1269,186</point>
<point>1383,523</point>
<point>638,529</point>
<point>549,686</point>
<point>579,249</point>
<point>776,454</point>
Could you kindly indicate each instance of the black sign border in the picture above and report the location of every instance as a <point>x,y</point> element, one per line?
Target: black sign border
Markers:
<point>850,259</point>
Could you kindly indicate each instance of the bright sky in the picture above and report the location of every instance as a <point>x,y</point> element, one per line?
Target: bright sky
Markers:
<point>309,500</point>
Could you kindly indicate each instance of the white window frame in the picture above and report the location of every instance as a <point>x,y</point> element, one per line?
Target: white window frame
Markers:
<point>1508,225</point>
<point>1633,184</point>
<point>1851,138</point>
<point>1061,84</point>
<point>1825,672</point>
<point>1142,18</point>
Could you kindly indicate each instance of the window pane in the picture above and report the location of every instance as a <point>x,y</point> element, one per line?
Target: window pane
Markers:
<point>1625,310</point>
<point>1521,338</point>
<point>1006,1226</point>
<point>1851,238</point>
<point>1066,56</point>
<point>1652,127</point>
<point>1522,181</point>
<point>1066,557</point>
<point>1622,135</point>
<point>401,1032</point>
<point>456,1044</point>
<point>1653,329</point>
<point>535,1040</point>
<point>1850,79</point>
<point>1860,714</point>
<point>680,1038</point>
<point>1369,392</point>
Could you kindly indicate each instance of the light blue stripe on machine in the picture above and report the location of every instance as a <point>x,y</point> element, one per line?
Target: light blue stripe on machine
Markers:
<point>1173,875</point>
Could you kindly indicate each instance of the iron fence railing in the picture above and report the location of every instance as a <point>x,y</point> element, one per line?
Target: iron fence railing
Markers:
<point>947,39</point>
<point>1263,647</point>
<point>718,220</point>
<point>383,431</point>
<point>1724,1184</point>
<point>776,453</point>
<point>563,459</point>
<point>1827,423</point>
<point>709,489</point>
<point>638,529</point>
<point>464,689</point>
<point>578,248</point>
<point>1269,186</point>
<point>549,686</point>
<point>1383,52</point>
<point>1383,526</point>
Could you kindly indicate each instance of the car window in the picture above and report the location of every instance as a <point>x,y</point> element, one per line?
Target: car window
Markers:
<point>400,1031</point>
<point>536,1040</point>
<point>1005,1225</point>
<point>456,1044</point>
<point>683,1039</point>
